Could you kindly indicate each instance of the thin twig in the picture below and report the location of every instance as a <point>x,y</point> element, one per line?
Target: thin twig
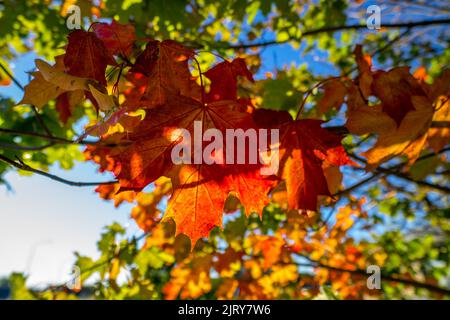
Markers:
<point>201,81</point>
<point>25,148</point>
<point>59,140</point>
<point>390,278</point>
<point>390,170</point>
<point>344,130</point>
<point>357,185</point>
<point>403,176</point>
<point>408,25</point>
<point>23,166</point>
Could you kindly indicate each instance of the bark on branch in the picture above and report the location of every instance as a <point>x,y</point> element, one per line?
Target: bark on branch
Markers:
<point>409,25</point>
<point>23,166</point>
<point>386,277</point>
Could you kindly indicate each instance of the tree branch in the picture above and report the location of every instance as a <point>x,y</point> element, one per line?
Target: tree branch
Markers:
<point>404,176</point>
<point>56,140</point>
<point>390,278</point>
<point>25,148</point>
<point>23,166</point>
<point>408,25</point>
<point>357,185</point>
<point>390,170</point>
<point>344,130</point>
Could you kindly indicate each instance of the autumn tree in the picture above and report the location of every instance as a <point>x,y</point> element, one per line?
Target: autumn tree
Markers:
<point>364,132</point>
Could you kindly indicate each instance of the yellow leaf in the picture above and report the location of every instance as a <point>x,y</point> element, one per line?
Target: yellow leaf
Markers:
<point>333,176</point>
<point>363,119</point>
<point>439,137</point>
<point>408,139</point>
<point>334,94</point>
<point>38,92</point>
<point>58,77</point>
<point>105,101</point>
<point>114,269</point>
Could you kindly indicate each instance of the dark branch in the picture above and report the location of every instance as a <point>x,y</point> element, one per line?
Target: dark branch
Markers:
<point>408,25</point>
<point>24,148</point>
<point>390,278</point>
<point>55,140</point>
<point>390,170</point>
<point>404,176</point>
<point>357,185</point>
<point>344,130</point>
<point>23,166</point>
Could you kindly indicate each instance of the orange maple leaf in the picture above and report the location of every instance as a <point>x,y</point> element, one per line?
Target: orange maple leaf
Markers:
<point>304,146</point>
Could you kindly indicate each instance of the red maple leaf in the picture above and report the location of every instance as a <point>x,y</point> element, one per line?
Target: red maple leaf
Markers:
<point>224,79</point>
<point>165,64</point>
<point>199,190</point>
<point>86,56</point>
<point>118,38</point>
<point>304,145</point>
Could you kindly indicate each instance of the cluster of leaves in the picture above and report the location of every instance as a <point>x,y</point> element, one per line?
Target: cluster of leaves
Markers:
<point>160,96</point>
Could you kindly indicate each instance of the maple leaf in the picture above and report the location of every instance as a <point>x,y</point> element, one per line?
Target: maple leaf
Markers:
<point>118,38</point>
<point>365,78</point>
<point>39,91</point>
<point>393,140</point>
<point>66,102</point>
<point>86,56</point>
<point>304,145</point>
<point>395,89</point>
<point>135,85</point>
<point>439,93</point>
<point>364,119</point>
<point>105,101</point>
<point>197,202</point>
<point>333,97</point>
<point>223,78</point>
<point>165,64</point>
<point>56,75</point>
<point>408,137</point>
<point>333,176</point>
<point>50,82</point>
<point>199,191</point>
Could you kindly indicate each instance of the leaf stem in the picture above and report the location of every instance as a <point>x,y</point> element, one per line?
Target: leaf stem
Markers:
<point>201,80</point>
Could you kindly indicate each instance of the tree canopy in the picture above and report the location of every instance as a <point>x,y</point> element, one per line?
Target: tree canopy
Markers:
<point>363,123</point>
